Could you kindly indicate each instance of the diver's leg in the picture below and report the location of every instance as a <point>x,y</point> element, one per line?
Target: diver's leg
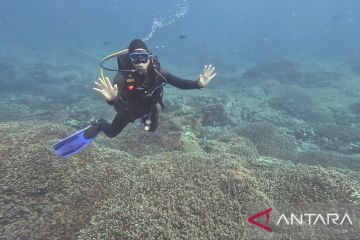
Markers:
<point>110,130</point>
<point>117,125</point>
<point>154,117</point>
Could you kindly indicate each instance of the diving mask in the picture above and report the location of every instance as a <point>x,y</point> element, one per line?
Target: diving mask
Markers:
<point>139,57</point>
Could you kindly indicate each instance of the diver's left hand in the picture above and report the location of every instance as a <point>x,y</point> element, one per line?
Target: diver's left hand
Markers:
<point>206,76</point>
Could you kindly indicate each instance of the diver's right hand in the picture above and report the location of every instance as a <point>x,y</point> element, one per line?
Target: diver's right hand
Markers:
<point>105,88</point>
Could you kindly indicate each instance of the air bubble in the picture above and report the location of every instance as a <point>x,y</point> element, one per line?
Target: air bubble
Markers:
<point>161,22</point>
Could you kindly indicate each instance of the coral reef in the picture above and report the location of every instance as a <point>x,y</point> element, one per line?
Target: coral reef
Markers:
<point>268,140</point>
<point>291,72</point>
<point>108,194</point>
<point>327,159</point>
<point>294,103</point>
<point>300,183</point>
<point>177,196</point>
<point>345,133</point>
<point>218,156</point>
<point>168,137</point>
<point>235,145</point>
<point>283,71</point>
<point>300,105</point>
<point>344,139</point>
<point>42,197</point>
<point>214,115</point>
<point>211,110</point>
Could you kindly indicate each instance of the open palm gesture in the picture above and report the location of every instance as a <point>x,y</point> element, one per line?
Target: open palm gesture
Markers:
<point>206,76</point>
<point>105,87</point>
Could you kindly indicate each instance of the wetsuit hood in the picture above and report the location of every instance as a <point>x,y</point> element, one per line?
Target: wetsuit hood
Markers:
<point>137,43</point>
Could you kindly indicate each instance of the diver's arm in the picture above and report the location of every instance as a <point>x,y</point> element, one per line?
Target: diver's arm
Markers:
<point>203,80</point>
<point>179,82</point>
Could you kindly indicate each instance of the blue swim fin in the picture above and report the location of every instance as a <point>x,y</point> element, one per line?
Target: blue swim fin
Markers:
<point>72,144</point>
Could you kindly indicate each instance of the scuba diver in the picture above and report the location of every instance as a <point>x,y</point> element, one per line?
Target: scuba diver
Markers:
<point>136,93</point>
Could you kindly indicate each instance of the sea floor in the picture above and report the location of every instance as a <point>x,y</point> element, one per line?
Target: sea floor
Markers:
<point>279,134</point>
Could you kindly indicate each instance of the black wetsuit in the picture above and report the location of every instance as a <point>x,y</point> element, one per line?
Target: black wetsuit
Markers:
<point>133,104</point>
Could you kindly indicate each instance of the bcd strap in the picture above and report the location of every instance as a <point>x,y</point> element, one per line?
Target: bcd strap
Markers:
<point>124,63</point>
